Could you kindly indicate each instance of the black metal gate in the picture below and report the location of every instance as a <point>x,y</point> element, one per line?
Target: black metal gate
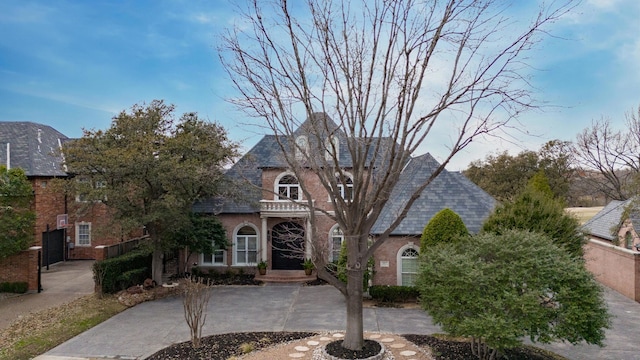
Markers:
<point>52,247</point>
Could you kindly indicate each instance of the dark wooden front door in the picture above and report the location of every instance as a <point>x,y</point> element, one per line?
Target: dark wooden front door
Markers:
<point>287,251</point>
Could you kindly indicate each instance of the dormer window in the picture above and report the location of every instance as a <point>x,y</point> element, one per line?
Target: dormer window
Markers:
<point>332,145</point>
<point>288,188</point>
<point>302,147</point>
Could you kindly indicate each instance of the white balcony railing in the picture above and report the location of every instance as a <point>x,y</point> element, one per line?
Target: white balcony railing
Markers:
<point>281,208</point>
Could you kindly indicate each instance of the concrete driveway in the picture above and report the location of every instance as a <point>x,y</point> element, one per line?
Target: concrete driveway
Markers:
<point>62,283</point>
<point>146,328</point>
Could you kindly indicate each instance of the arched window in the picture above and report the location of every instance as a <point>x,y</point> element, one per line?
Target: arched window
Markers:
<point>288,188</point>
<point>336,237</point>
<point>407,265</point>
<point>302,147</point>
<point>628,240</point>
<point>245,243</point>
<point>332,145</point>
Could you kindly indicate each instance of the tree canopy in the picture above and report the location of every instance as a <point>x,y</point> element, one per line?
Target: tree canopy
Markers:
<point>504,176</point>
<point>499,289</point>
<point>149,169</point>
<point>17,220</point>
<point>445,226</point>
<point>536,211</point>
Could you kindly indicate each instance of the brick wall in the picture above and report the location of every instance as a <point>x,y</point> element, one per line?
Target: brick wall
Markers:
<point>48,204</point>
<point>386,259</point>
<point>614,266</point>
<point>22,267</point>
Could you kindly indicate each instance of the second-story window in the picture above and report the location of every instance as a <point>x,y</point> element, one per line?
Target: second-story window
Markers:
<point>346,188</point>
<point>288,188</point>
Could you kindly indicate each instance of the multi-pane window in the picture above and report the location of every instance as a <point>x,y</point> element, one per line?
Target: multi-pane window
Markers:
<point>83,234</point>
<point>409,266</point>
<point>346,188</point>
<point>288,188</point>
<point>246,246</point>
<point>337,237</point>
<point>216,258</point>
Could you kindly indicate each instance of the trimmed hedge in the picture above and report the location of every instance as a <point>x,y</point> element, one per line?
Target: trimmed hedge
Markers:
<point>393,293</point>
<point>14,287</point>
<point>121,272</point>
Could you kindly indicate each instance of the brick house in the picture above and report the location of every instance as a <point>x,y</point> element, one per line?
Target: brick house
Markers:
<point>255,227</point>
<point>35,148</point>
<point>612,251</point>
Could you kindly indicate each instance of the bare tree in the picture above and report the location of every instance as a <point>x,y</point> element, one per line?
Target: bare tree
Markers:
<point>614,155</point>
<point>392,74</point>
<point>195,299</point>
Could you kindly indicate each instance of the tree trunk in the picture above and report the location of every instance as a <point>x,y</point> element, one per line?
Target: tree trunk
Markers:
<point>156,262</point>
<point>354,337</point>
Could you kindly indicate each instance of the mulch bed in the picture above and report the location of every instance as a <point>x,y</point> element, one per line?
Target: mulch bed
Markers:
<point>224,346</point>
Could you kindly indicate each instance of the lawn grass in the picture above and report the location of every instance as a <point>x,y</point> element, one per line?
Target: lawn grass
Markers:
<point>41,331</point>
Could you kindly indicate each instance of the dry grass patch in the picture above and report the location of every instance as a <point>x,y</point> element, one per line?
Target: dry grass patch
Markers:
<point>38,332</point>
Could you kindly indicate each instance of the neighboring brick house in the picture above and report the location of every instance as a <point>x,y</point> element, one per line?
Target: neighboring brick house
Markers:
<point>612,252</point>
<point>35,148</point>
<point>254,227</point>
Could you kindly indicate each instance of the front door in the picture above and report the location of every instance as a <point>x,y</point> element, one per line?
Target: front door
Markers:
<point>287,250</point>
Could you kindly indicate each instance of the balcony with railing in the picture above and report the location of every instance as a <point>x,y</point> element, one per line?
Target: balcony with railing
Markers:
<point>283,208</point>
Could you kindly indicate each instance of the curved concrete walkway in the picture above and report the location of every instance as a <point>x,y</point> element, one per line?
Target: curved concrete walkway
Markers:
<point>146,328</point>
<point>62,283</point>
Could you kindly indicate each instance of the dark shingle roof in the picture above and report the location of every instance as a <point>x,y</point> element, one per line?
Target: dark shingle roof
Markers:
<point>448,190</point>
<point>32,147</point>
<point>606,220</point>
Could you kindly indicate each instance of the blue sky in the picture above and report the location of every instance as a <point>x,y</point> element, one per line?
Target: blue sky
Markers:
<point>76,64</point>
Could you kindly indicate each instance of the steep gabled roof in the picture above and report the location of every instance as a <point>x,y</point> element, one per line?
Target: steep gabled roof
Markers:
<point>448,190</point>
<point>606,220</point>
<point>33,147</point>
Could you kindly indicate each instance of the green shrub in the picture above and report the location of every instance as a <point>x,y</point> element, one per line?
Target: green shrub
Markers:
<point>443,227</point>
<point>393,293</point>
<point>19,287</point>
<point>133,277</point>
<point>110,275</point>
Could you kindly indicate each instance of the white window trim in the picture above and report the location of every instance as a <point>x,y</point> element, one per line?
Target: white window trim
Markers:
<point>223,263</point>
<point>234,247</point>
<point>330,240</point>
<point>276,185</point>
<point>78,224</point>
<point>301,147</point>
<point>341,186</point>
<point>330,143</point>
<point>410,245</point>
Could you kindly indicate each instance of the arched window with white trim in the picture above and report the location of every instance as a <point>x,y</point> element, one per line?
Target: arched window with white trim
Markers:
<point>332,145</point>
<point>288,188</point>
<point>336,238</point>
<point>302,147</point>
<point>245,245</point>
<point>407,265</point>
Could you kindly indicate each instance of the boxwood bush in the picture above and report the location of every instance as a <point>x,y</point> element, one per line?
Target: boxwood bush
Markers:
<point>119,273</point>
<point>14,287</point>
<point>393,293</point>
